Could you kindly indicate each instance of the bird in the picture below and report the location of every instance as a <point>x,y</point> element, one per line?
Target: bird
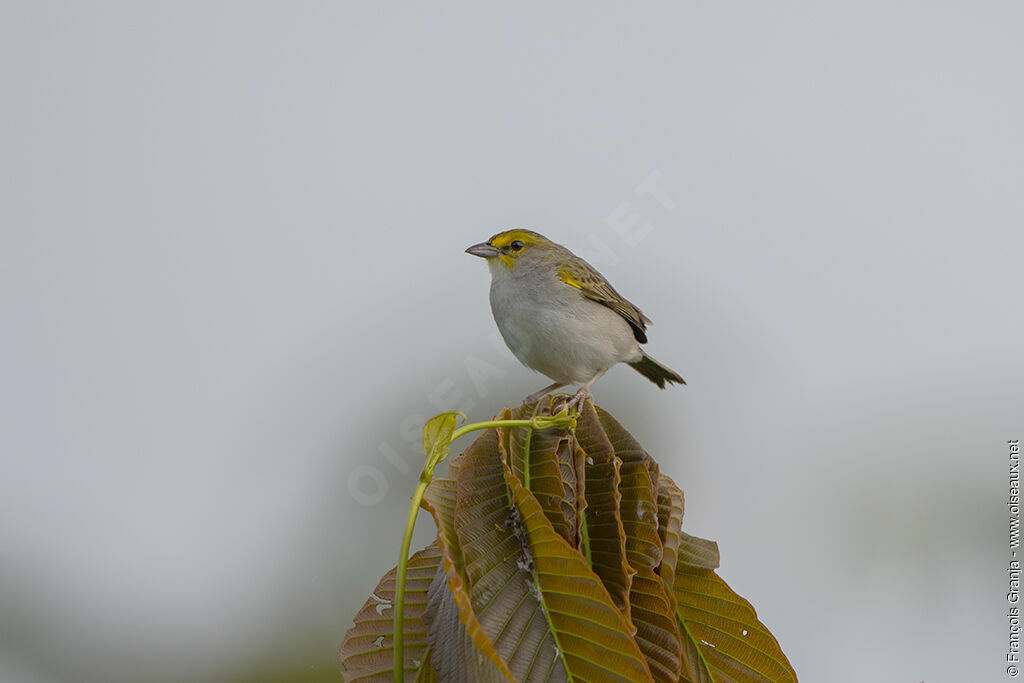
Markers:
<point>560,316</point>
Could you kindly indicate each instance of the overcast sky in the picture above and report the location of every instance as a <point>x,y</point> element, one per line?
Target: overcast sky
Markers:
<point>232,286</point>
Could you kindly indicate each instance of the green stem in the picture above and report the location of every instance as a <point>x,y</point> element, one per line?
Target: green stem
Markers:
<point>437,454</point>
<point>526,450</point>
<point>399,631</point>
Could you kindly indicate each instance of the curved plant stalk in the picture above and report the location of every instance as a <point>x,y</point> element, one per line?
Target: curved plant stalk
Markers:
<point>438,434</point>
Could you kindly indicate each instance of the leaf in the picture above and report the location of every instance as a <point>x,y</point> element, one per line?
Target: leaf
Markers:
<point>572,458</point>
<point>670,522</point>
<point>698,552</point>
<point>543,460</point>
<point>367,653</point>
<point>652,606</point>
<point>593,637</point>
<point>437,432</point>
<point>626,447</point>
<point>724,639</point>
<point>426,673</point>
<point>605,544</point>
<point>453,657</point>
<point>440,501</point>
<point>561,555</point>
<point>497,570</point>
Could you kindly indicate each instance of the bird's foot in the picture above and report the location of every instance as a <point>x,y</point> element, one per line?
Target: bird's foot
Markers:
<point>578,398</point>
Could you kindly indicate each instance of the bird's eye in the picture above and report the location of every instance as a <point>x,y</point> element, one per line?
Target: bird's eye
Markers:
<point>516,245</point>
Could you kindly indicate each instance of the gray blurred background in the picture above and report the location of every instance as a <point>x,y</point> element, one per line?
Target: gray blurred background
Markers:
<point>232,287</point>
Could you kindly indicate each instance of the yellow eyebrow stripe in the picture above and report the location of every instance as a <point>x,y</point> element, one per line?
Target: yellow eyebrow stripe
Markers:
<point>503,239</point>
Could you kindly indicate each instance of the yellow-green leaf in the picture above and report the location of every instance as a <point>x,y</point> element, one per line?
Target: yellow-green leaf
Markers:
<point>697,552</point>
<point>605,546</point>
<point>437,432</point>
<point>652,607</point>
<point>537,458</point>
<point>593,637</point>
<point>497,569</point>
<point>670,522</point>
<point>725,640</point>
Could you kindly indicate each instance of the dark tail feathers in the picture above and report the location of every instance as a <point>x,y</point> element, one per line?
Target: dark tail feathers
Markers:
<point>656,372</point>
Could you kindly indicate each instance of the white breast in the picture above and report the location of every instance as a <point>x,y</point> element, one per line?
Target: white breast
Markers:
<point>553,329</point>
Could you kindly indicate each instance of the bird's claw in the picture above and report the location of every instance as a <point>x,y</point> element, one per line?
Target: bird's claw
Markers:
<point>578,399</point>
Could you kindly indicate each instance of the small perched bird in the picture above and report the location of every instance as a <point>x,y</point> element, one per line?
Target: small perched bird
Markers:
<point>560,317</point>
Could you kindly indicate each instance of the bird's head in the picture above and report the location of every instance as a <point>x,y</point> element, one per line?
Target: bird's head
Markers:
<point>513,247</point>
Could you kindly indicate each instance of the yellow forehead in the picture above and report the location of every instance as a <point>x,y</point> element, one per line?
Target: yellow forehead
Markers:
<point>527,237</point>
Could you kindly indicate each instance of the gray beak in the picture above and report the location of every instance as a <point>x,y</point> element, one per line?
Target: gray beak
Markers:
<point>483,250</point>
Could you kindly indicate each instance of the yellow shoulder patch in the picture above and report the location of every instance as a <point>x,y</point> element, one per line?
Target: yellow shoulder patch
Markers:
<point>582,276</point>
<point>564,276</point>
